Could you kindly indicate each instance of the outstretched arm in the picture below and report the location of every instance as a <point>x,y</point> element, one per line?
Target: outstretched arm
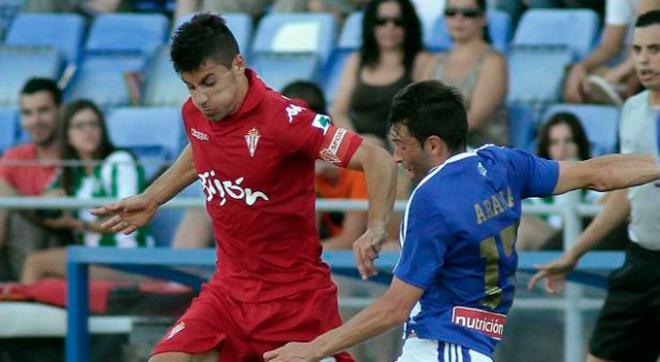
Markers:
<point>607,173</point>
<point>380,174</point>
<point>136,211</point>
<point>388,311</point>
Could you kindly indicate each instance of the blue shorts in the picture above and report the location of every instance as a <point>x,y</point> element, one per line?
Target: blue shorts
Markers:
<point>426,350</point>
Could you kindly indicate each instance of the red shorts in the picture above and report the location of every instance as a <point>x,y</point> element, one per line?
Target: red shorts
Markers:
<point>243,332</point>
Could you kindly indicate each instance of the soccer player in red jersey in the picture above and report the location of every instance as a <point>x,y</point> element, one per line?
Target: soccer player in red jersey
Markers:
<point>254,151</point>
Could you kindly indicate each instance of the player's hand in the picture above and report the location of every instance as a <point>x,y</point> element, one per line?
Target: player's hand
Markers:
<point>293,352</point>
<point>575,84</point>
<point>127,215</point>
<point>367,248</point>
<point>554,274</point>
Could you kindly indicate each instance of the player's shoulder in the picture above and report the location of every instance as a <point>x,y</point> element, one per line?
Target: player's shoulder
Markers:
<point>25,151</point>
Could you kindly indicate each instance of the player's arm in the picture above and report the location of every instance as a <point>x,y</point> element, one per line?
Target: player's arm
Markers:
<point>607,173</point>
<point>388,311</point>
<point>380,175</point>
<point>615,211</point>
<point>136,211</point>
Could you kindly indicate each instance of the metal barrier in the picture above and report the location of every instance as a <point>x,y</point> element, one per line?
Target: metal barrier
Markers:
<point>80,258</point>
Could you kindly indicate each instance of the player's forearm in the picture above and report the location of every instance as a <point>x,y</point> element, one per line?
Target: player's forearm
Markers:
<point>615,211</point>
<point>614,172</point>
<point>380,173</point>
<point>377,318</point>
<point>181,174</point>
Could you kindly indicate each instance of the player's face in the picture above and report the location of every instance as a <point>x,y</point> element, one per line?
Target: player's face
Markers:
<point>85,133</point>
<point>39,115</point>
<point>388,29</point>
<point>562,145</point>
<point>464,19</point>
<point>409,153</point>
<point>214,89</point>
<point>646,54</point>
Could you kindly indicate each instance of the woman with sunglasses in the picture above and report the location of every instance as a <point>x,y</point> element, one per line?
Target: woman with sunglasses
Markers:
<point>103,171</point>
<point>477,70</point>
<point>391,57</point>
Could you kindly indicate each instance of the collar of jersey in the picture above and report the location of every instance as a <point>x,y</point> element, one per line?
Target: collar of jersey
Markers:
<point>254,96</point>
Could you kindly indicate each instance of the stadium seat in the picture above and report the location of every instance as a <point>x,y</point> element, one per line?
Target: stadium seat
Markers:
<point>499,29</point>
<point>8,11</point>
<point>535,73</point>
<point>292,46</point>
<point>9,126</point>
<point>18,64</point>
<point>240,24</point>
<point>163,87</point>
<point>154,134</point>
<point>127,33</point>
<point>601,123</point>
<point>575,28</point>
<point>166,221</point>
<point>61,31</point>
<point>350,40</point>
<point>102,79</point>
<point>523,125</point>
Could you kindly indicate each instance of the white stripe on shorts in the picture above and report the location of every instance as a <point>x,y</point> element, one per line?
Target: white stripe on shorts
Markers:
<point>426,350</point>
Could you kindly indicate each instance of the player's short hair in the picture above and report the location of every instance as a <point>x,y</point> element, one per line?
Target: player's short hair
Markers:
<point>307,91</point>
<point>205,36</point>
<point>35,85</point>
<point>431,108</point>
<point>648,19</point>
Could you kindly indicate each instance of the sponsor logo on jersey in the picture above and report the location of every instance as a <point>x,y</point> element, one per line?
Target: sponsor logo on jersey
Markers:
<point>176,329</point>
<point>491,324</point>
<point>199,135</point>
<point>322,122</point>
<point>252,140</point>
<point>329,154</point>
<point>292,111</point>
<point>213,187</point>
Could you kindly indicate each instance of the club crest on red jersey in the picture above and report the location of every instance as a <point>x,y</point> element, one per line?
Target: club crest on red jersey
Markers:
<point>252,140</point>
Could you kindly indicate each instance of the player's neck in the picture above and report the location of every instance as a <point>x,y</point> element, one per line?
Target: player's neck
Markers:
<point>655,98</point>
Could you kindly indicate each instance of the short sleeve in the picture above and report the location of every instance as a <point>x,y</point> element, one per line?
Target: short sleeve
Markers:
<point>619,12</point>
<point>314,136</point>
<point>425,239</point>
<point>534,176</point>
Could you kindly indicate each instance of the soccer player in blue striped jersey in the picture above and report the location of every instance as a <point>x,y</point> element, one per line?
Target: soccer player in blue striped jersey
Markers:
<point>453,285</point>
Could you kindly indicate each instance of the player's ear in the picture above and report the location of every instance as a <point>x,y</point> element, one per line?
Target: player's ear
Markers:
<point>238,64</point>
<point>435,146</point>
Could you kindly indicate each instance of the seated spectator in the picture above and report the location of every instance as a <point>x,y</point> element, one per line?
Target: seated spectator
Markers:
<point>476,69</point>
<point>391,57</point>
<point>27,170</point>
<point>105,171</point>
<point>594,80</point>
<point>562,138</point>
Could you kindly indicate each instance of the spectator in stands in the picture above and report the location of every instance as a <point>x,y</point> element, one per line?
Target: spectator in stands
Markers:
<point>476,69</point>
<point>26,170</point>
<point>592,79</point>
<point>562,138</point>
<point>104,171</point>
<point>391,57</point>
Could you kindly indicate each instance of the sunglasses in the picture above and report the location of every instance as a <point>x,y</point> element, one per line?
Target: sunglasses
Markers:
<point>466,12</point>
<point>380,21</point>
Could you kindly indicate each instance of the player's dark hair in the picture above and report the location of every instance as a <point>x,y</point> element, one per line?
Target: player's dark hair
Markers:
<point>412,42</point>
<point>205,36</point>
<point>309,92</point>
<point>35,85</point>
<point>647,19</point>
<point>431,108</point>
<point>68,152</point>
<point>577,132</point>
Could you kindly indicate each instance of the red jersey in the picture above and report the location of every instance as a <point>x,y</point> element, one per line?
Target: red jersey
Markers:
<point>28,180</point>
<point>257,170</point>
